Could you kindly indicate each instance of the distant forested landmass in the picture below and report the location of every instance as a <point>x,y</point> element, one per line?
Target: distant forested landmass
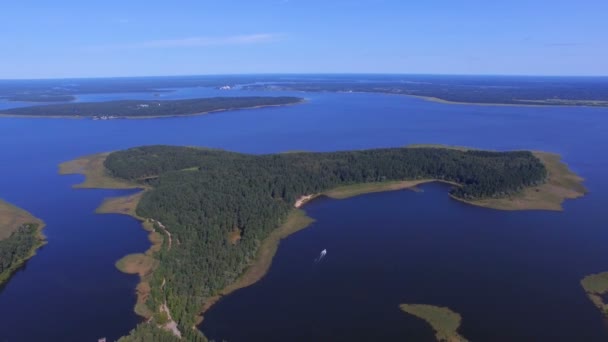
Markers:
<point>564,91</point>
<point>13,90</point>
<point>41,98</point>
<point>203,196</point>
<point>539,90</point>
<point>149,108</point>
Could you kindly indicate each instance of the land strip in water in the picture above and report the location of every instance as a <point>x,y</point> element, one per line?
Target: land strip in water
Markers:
<point>20,237</point>
<point>182,175</point>
<point>596,287</point>
<point>444,321</point>
<point>145,109</point>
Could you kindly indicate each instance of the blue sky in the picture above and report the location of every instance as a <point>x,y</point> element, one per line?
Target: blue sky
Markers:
<point>43,39</point>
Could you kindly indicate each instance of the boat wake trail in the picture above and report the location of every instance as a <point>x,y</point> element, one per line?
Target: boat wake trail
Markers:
<point>321,256</point>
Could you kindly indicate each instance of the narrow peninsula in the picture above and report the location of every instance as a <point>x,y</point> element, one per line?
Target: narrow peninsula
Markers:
<point>216,217</point>
<point>444,321</point>
<point>20,237</point>
<point>142,109</point>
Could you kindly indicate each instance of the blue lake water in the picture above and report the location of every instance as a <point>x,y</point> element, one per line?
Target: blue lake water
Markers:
<point>512,276</point>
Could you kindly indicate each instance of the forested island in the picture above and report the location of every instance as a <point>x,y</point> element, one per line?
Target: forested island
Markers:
<point>20,236</point>
<point>124,109</point>
<point>216,217</point>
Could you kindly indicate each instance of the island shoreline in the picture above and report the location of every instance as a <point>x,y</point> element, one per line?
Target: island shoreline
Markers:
<point>97,177</point>
<point>144,117</point>
<point>14,218</point>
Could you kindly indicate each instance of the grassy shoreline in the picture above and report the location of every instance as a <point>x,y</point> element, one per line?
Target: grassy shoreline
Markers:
<point>11,219</point>
<point>562,184</point>
<point>296,221</point>
<point>96,177</point>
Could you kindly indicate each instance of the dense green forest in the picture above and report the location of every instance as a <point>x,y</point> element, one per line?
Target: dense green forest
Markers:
<point>202,195</point>
<point>15,249</point>
<point>147,108</point>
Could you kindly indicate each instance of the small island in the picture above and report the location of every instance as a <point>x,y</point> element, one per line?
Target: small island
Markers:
<point>596,287</point>
<point>216,217</point>
<point>444,321</point>
<point>20,237</point>
<point>142,109</point>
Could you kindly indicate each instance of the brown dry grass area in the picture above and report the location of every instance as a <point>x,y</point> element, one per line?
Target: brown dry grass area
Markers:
<point>347,191</point>
<point>137,263</point>
<point>562,184</point>
<point>143,292</point>
<point>121,205</point>
<point>96,175</point>
<point>141,264</point>
<point>12,217</point>
<point>296,221</point>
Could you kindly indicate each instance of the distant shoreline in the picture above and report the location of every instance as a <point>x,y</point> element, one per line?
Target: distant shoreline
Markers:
<point>143,117</point>
<point>440,100</point>
<point>487,104</point>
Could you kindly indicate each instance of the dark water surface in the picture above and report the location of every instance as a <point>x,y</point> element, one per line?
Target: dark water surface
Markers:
<point>512,276</point>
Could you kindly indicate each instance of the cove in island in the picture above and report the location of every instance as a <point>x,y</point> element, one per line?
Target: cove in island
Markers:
<point>248,203</point>
<point>20,237</point>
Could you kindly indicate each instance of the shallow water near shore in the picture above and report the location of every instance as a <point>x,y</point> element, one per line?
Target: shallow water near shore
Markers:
<point>505,273</point>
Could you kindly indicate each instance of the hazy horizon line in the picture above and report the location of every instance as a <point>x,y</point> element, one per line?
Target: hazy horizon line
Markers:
<point>301,74</point>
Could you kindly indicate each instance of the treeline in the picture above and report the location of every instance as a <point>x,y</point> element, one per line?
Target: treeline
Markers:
<point>144,108</point>
<point>202,195</point>
<point>17,248</point>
